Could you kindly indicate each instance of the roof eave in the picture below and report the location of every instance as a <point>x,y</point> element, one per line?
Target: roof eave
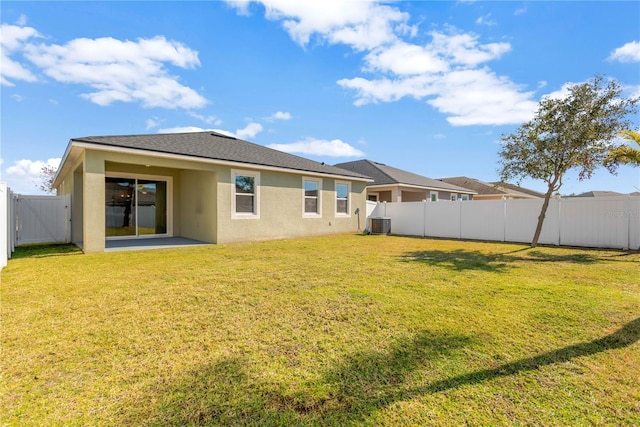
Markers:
<point>80,143</point>
<point>422,187</point>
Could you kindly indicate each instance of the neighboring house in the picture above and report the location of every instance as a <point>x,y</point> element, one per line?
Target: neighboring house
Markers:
<point>493,190</point>
<point>204,186</point>
<point>396,185</point>
<point>597,194</point>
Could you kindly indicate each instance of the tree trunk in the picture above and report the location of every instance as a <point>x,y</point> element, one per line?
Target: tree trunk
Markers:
<point>543,212</point>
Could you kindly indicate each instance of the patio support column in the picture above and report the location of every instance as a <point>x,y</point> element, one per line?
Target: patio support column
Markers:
<point>93,211</point>
<point>396,195</point>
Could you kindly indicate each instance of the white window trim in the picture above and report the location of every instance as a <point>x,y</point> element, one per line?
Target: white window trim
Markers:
<point>138,176</point>
<point>431,194</point>
<point>341,214</point>
<point>453,197</point>
<point>256,177</point>
<point>304,197</point>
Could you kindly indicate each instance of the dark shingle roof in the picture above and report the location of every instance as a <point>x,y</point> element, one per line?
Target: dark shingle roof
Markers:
<point>215,146</point>
<point>387,175</point>
<point>599,194</point>
<point>482,187</point>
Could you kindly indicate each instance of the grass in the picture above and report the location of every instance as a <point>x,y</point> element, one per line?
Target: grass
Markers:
<point>339,330</point>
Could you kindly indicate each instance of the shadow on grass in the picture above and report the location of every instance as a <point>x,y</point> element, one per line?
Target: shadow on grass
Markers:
<point>623,337</point>
<point>230,393</point>
<point>47,250</point>
<point>461,259</point>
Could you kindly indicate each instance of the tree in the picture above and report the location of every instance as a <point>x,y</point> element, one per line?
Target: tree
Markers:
<point>47,174</point>
<point>625,154</point>
<point>574,132</point>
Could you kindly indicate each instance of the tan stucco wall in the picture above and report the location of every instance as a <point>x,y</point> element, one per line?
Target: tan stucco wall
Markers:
<point>198,205</point>
<point>201,200</point>
<point>281,210</point>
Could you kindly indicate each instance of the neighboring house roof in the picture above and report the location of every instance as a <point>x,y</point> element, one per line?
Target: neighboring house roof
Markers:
<point>598,194</point>
<point>518,189</point>
<point>387,175</point>
<point>215,146</point>
<point>492,188</point>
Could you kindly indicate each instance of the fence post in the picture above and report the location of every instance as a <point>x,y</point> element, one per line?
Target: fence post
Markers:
<point>559,220</point>
<point>13,221</point>
<point>4,223</point>
<point>629,215</point>
<point>460,219</point>
<point>424,218</point>
<point>504,219</point>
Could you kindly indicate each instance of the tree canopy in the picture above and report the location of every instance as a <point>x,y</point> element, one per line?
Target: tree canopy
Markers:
<point>576,131</point>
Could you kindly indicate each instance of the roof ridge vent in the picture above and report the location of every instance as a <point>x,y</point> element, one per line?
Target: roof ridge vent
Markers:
<point>222,135</point>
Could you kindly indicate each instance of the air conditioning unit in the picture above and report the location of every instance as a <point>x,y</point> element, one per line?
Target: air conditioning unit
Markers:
<point>381,225</point>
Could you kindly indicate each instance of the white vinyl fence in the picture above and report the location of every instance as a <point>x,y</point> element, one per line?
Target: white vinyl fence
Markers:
<point>32,219</point>
<point>602,222</point>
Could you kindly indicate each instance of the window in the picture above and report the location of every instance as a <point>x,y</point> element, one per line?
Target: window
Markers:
<point>465,197</point>
<point>433,196</point>
<point>453,197</point>
<point>245,202</point>
<point>311,197</point>
<point>342,198</point>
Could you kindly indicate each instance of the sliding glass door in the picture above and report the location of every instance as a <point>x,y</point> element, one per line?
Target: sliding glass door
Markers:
<point>135,207</point>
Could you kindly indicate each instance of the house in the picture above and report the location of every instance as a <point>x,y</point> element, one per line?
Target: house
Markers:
<point>597,194</point>
<point>396,185</point>
<point>493,190</point>
<point>204,186</point>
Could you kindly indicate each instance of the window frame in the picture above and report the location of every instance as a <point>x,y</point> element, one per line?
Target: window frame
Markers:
<point>348,185</point>
<point>169,203</point>
<point>318,213</point>
<point>256,194</point>
<point>431,196</point>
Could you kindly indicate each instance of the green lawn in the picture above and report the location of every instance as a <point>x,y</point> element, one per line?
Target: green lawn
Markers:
<point>340,330</point>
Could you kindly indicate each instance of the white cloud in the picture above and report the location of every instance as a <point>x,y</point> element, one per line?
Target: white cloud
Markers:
<point>12,41</point>
<point>250,131</point>
<point>633,91</point>
<point>151,123</point>
<point>486,20</point>
<point>520,11</point>
<point>319,147</point>
<point>185,129</point>
<point>206,119</point>
<point>479,97</point>
<point>464,49</point>
<point>121,70</point>
<point>561,93</point>
<point>18,98</point>
<point>404,58</point>
<point>23,177</point>
<point>359,24</point>
<point>468,97</point>
<point>280,116</point>
<point>630,52</point>
<point>448,72</point>
<point>116,70</point>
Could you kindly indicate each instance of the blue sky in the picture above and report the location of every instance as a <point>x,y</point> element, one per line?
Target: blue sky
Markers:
<point>427,87</point>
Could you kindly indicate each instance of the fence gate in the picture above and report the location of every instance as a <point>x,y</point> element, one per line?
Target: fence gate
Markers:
<point>42,219</point>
